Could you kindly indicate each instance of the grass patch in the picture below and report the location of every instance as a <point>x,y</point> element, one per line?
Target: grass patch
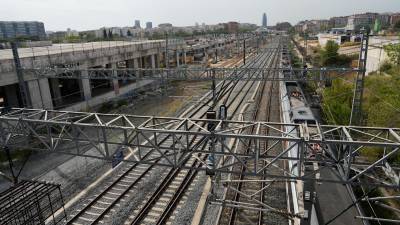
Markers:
<point>122,102</point>
<point>381,103</point>
<point>16,155</point>
<point>349,44</point>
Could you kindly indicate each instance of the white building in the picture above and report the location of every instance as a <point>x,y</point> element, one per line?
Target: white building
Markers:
<point>323,38</point>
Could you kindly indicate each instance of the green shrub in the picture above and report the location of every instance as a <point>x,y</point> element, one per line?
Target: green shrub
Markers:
<point>385,67</point>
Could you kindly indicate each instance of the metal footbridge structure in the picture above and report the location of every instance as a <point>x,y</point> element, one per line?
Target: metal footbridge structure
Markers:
<point>153,138</point>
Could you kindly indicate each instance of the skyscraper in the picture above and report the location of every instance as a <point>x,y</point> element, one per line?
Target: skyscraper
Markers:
<point>264,20</point>
<point>149,25</point>
<point>137,23</point>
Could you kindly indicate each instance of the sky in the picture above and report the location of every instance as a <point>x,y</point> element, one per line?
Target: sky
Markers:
<point>92,14</point>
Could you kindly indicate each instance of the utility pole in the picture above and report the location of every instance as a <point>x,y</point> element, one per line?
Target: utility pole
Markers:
<point>244,51</point>
<point>356,111</point>
<point>306,48</point>
<point>23,91</point>
<point>216,55</point>
<point>216,48</point>
<point>166,51</point>
<point>213,88</point>
<point>237,45</point>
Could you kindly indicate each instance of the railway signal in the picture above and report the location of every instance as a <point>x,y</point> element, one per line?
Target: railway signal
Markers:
<point>210,169</point>
<point>223,112</point>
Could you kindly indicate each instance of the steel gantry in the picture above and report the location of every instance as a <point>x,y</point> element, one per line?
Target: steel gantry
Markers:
<point>168,141</point>
<point>356,110</point>
<point>195,74</point>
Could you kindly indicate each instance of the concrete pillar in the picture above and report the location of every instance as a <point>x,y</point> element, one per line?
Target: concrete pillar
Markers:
<point>205,55</point>
<point>84,85</point>
<point>55,86</point>
<point>39,90</point>
<point>184,57</point>
<point>115,83</point>
<point>153,63</point>
<point>158,60</point>
<point>11,95</point>
<point>136,63</point>
<point>177,58</point>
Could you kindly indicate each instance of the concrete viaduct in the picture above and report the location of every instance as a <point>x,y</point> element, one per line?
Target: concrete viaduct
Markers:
<point>49,93</point>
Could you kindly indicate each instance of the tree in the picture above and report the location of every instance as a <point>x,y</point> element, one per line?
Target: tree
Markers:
<point>397,26</point>
<point>330,54</point>
<point>393,51</point>
<point>104,34</point>
<point>129,34</point>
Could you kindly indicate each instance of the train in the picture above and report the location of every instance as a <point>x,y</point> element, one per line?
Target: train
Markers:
<point>296,110</point>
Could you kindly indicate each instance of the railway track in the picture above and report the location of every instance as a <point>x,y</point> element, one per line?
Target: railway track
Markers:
<point>106,203</point>
<point>166,199</point>
<point>273,193</point>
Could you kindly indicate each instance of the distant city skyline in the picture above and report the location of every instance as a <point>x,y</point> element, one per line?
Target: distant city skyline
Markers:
<point>60,15</point>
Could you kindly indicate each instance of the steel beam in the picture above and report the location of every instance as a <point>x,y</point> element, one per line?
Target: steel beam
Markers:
<point>196,74</point>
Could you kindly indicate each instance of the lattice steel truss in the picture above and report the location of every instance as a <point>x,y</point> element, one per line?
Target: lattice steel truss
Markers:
<point>170,142</point>
<point>196,74</point>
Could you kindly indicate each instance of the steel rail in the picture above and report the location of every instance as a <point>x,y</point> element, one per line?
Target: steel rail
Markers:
<point>180,191</point>
<point>184,185</point>
<point>109,207</point>
<point>233,214</point>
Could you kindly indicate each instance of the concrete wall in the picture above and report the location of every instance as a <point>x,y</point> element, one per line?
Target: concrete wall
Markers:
<point>376,57</point>
<point>376,53</point>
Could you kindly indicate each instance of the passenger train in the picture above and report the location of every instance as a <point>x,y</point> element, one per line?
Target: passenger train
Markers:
<point>295,110</point>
